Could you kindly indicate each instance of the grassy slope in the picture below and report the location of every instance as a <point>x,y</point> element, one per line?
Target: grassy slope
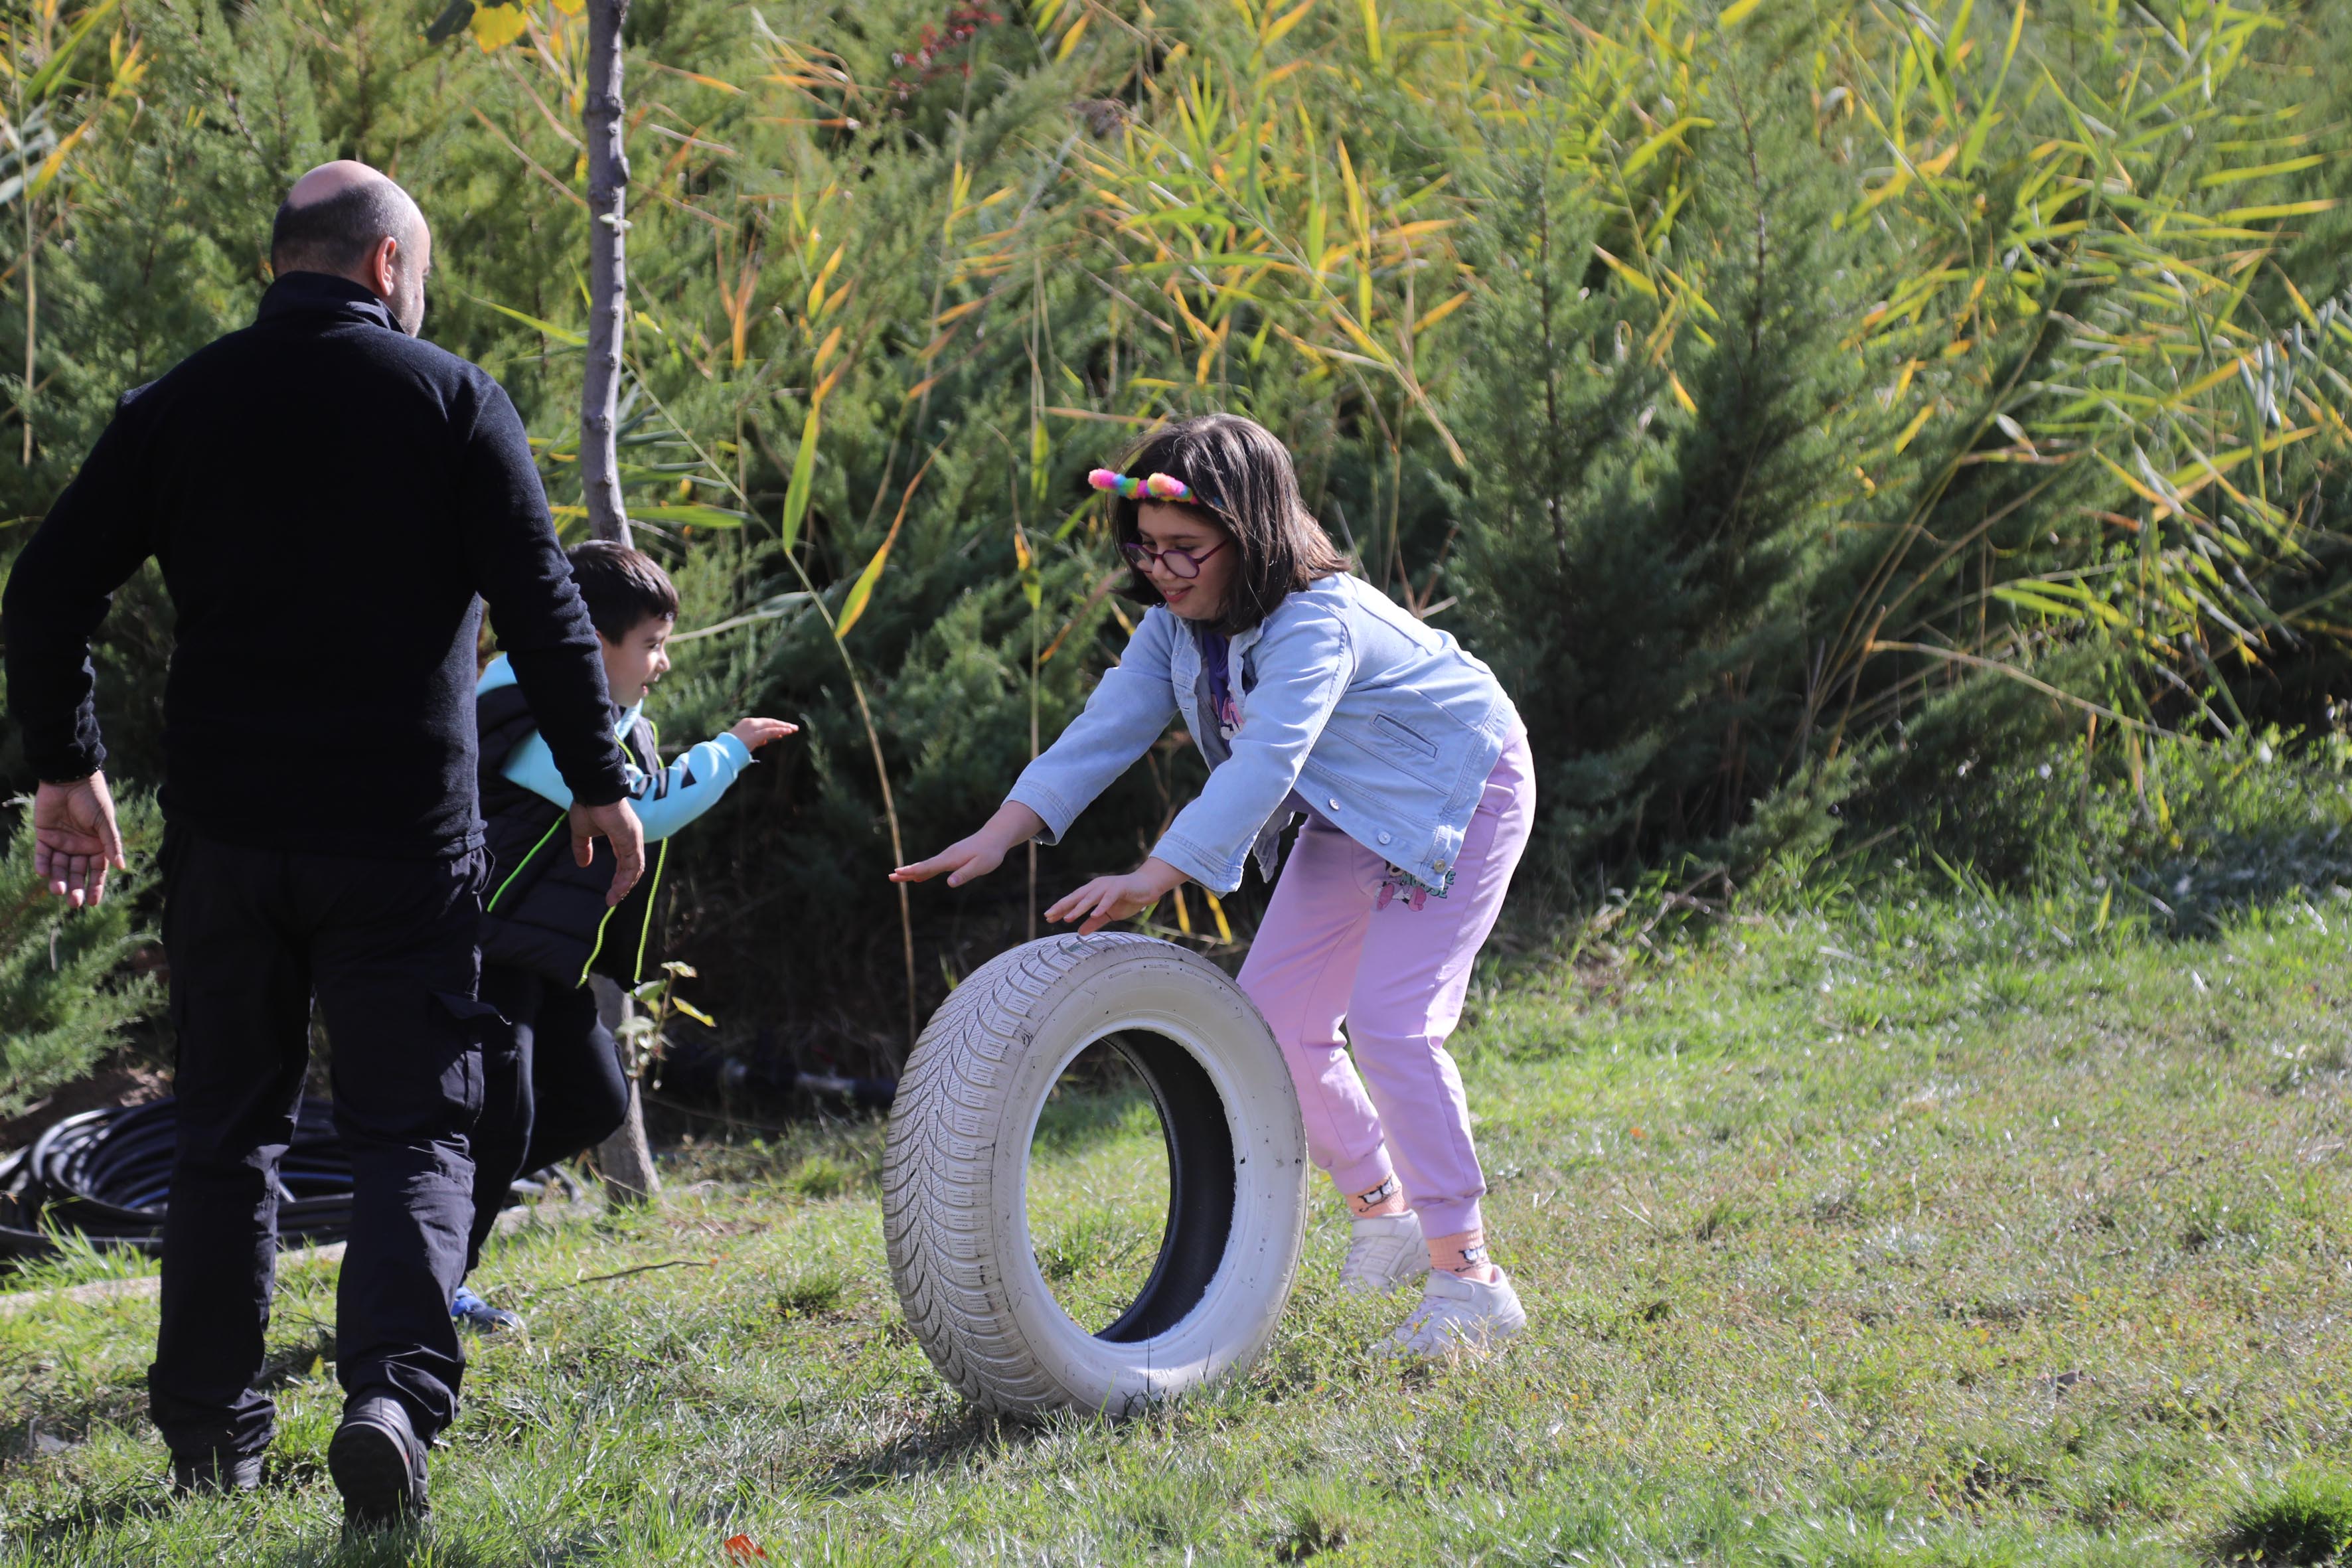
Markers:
<point>1912,1234</point>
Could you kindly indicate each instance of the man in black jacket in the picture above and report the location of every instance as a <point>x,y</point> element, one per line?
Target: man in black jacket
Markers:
<point>326,496</point>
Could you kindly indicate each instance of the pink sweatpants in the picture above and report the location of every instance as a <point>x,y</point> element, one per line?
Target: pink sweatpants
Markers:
<point>1326,952</point>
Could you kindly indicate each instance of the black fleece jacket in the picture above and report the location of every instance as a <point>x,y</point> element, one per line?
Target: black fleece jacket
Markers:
<point>326,497</point>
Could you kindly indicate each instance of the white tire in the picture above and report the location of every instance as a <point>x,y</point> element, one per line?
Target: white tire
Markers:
<point>955,1177</point>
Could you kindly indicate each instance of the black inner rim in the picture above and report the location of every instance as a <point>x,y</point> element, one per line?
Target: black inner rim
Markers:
<point>1201,1186</point>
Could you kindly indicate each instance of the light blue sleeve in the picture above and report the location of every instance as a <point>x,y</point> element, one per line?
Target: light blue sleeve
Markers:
<point>693,782</point>
<point>696,781</point>
<point>1304,668</point>
<point>1130,708</point>
<point>532,765</point>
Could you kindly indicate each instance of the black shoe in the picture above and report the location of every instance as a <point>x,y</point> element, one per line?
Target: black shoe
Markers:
<point>378,1463</point>
<point>216,1472</point>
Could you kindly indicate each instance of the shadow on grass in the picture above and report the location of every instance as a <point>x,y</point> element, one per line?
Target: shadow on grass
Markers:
<point>292,1363</point>
<point>2195,896</point>
<point>123,1405</point>
<point>90,1513</point>
<point>2300,1519</point>
<point>328,1547</point>
<point>940,1445</point>
<point>109,1404</point>
<point>75,1535</point>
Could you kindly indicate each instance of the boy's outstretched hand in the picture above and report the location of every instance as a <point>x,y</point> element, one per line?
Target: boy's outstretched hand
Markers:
<point>757,732</point>
<point>1108,898</point>
<point>983,852</point>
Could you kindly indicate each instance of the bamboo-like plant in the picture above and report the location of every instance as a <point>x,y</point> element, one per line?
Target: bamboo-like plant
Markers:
<point>41,46</point>
<point>2121,215</point>
<point>1751,378</point>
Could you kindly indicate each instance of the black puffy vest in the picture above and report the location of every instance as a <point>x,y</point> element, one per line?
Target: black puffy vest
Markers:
<point>545,913</point>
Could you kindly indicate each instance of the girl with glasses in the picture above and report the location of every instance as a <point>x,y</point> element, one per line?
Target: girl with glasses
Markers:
<point>1311,696</point>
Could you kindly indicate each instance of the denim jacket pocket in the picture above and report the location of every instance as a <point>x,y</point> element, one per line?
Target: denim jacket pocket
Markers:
<point>1403,737</point>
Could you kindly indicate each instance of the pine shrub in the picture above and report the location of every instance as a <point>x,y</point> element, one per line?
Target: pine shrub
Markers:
<point>1780,405</point>
<point>65,992</point>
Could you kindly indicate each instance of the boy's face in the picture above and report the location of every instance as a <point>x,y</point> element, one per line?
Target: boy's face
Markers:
<point>638,660</point>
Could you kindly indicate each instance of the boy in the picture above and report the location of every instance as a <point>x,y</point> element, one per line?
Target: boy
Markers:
<point>553,1082</point>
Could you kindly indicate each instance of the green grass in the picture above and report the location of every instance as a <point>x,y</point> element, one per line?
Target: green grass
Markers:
<point>1919,1232</point>
<point>1098,1188</point>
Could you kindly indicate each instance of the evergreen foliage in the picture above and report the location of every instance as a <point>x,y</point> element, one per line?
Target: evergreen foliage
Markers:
<point>64,998</point>
<point>1659,572</point>
<point>1804,407</point>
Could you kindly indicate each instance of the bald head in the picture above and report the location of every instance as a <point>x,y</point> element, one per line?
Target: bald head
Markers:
<point>349,220</point>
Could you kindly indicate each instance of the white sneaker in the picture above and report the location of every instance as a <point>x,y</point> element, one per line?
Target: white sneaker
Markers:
<point>1386,1251</point>
<point>1458,1314</point>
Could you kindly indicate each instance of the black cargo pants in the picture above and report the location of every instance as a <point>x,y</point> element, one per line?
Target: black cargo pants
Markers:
<point>553,1086</point>
<point>387,948</point>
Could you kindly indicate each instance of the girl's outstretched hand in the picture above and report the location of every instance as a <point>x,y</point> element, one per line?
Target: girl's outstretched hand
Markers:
<point>983,852</point>
<point>961,860</point>
<point>1108,898</point>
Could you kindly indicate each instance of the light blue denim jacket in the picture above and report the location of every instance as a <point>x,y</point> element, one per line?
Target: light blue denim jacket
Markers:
<point>1380,722</point>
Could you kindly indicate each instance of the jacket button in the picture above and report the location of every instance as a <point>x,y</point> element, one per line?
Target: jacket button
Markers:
<point>1384,838</point>
<point>1438,865</point>
<point>1335,803</point>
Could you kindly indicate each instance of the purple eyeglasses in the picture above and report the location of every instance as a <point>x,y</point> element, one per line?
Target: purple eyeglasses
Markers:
<point>1181,563</point>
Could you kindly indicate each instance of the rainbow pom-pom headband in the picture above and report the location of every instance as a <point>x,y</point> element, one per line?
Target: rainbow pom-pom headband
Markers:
<point>1159,487</point>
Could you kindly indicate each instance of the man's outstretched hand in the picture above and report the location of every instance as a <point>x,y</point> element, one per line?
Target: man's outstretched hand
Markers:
<point>618,825</point>
<point>74,841</point>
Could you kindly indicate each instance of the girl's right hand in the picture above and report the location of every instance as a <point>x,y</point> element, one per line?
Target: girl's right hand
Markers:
<point>963,860</point>
<point>985,851</point>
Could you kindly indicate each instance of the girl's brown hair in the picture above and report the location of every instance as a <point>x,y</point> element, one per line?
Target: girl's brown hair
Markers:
<point>1241,479</point>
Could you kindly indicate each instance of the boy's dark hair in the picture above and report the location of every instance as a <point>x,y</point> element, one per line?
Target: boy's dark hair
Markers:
<point>1246,484</point>
<point>622,587</point>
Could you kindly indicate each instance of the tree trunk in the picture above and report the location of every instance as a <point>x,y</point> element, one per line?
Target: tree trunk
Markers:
<point>625,1158</point>
<point>32,314</point>
<point>608,277</point>
<point>32,241</point>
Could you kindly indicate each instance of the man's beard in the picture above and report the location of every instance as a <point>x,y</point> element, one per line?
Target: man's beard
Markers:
<point>407,302</point>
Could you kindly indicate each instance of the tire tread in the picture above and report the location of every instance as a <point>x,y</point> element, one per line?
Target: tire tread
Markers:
<point>937,1171</point>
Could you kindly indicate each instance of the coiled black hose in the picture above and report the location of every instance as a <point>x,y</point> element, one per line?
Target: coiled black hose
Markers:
<point>106,1174</point>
